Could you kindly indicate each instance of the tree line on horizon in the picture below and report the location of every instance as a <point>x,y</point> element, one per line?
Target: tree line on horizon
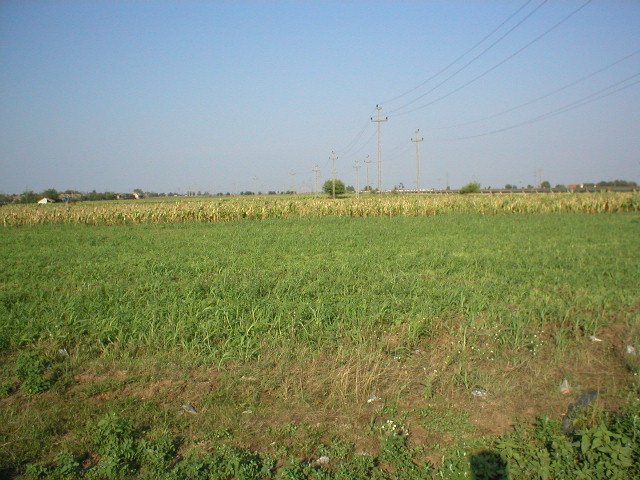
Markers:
<point>29,196</point>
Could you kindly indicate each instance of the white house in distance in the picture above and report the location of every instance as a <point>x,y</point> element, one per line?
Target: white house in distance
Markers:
<point>44,200</point>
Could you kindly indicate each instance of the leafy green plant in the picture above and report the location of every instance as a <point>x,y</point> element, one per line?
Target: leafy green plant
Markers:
<point>65,467</point>
<point>30,369</point>
<point>295,469</point>
<point>397,454</point>
<point>115,441</point>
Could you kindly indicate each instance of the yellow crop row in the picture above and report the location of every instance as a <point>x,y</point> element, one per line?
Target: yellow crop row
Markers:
<point>260,208</point>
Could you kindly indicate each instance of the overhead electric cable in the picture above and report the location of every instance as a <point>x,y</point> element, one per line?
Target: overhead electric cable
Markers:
<point>565,108</point>
<point>472,60</point>
<point>352,143</point>
<point>520,50</point>
<point>366,142</point>
<point>546,95</point>
<point>461,56</point>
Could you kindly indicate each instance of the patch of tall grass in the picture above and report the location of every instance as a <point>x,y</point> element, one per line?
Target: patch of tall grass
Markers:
<point>227,291</point>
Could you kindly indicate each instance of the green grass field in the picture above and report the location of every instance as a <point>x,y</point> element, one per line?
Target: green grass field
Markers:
<point>404,347</point>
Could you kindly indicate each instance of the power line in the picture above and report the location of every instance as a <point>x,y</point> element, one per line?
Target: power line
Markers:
<point>352,143</point>
<point>461,56</point>
<point>565,108</point>
<point>546,95</point>
<point>486,72</point>
<point>472,60</point>
<point>366,142</point>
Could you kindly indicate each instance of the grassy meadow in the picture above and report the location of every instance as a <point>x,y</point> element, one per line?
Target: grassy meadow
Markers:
<point>383,338</point>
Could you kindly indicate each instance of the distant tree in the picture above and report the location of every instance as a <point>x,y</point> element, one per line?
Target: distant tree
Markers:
<point>545,184</point>
<point>328,187</point>
<point>4,198</point>
<point>508,186</point>
<point>473,187</point>
<point>617,183</point>
<point>29,196</point>
<point>559,185</point>
<point>51,193</point>
<point>350,188</point>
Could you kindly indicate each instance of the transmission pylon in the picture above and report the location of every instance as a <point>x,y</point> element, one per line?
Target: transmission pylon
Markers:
<point>379,122</point>
<point>316,170</point>
<point>417,142</point>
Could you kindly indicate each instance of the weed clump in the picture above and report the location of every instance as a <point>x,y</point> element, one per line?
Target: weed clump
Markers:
<point>31,367</point>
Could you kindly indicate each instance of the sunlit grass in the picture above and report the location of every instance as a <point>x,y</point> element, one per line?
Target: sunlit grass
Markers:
<point>227,290</point>
<point>280,331</point>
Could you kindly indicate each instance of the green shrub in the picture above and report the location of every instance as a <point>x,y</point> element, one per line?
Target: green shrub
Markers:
<point>473,187</point>
<point>328,187</point>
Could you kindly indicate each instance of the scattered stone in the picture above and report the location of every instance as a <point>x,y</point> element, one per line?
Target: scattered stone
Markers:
<point>631,350</point>
<point>323,460</point>
<point>63,352</point>
<point>478,393</point>
<point>247,412</point>
<point>593,338</point>
<point>373,398</point>
<point>189,409</point>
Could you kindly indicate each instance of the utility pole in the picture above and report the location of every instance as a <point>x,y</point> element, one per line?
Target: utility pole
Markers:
<point>316,170</point>
<point>334,157</point>
<point>417,142</point>
<point>357,167</point>
<point>379,121</point>
<point>367,160</point>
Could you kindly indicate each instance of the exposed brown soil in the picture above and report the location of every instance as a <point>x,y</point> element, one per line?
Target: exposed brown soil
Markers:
<point>328,392</point>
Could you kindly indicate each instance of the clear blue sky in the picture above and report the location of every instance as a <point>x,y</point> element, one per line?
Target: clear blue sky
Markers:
<point>243,95</point>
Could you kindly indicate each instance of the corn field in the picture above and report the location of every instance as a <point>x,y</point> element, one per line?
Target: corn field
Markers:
<point>261,208</point>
